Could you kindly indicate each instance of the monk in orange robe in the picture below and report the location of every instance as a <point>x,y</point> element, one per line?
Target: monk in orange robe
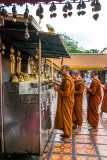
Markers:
<point>65,89</point>
<point>95,97</point>
<point>104,102</point>
<point>78,97</point>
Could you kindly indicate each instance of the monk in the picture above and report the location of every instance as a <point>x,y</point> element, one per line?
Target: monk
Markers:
<point>78,97</point>
<point>65,89</point>
<point>79,75</point>
<point>104,102</point>
<point>95,97</point>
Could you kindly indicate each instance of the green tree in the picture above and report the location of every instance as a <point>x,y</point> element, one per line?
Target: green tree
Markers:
<point>72,46</point>
<point>94,50</point>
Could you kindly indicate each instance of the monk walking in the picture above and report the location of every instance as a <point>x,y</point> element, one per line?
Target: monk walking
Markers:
<point>63,119</point>
<point>78,97</point>
<point>94,100</point>
<point>104,102</point>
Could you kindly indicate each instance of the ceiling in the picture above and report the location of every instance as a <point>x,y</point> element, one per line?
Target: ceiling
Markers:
<point>13,33</point>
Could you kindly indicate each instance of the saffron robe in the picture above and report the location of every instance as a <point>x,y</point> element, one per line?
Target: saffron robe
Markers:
<point>63,119</point>
<point>104,102</point>
<point>78,97</point>
<point>95,97</point>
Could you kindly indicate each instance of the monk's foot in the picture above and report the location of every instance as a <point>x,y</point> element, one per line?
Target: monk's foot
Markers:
<point>100,114</point>
<point>67,137</point>
<point>93,129</point>
<point>90,129</point>
<point>74,126</point>
<point>63,135</point>
<point>77,130</point>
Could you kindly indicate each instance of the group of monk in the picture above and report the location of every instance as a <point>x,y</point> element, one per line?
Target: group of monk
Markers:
<point>69,105</point>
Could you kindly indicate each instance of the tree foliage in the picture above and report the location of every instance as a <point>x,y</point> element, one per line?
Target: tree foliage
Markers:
<point>72,46</point>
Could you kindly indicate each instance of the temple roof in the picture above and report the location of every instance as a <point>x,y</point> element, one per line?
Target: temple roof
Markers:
<point>13,33</point>
<point>84,61</point>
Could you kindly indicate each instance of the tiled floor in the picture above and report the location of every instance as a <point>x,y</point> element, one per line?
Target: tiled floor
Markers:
<point>83,146</point>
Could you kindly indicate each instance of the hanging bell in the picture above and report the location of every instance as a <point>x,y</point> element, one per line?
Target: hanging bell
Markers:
<point>65,8</point>
<point>70,6</point>
<point>69,14</point>
<point>95,16</point>
<point>4,13</point>
<point>51,15</point>
<point>83,5</point>
<point>51,8</point>
<point>79,6</point>
<point>97,6</point>
<point>38,12</point>
<point>14,15</point>
<point>54,15</point>
<point>41,9</point>
<point>83,13</point>
<point>14,8</point>
<point>27,35</point>
<point>54,6</point>
<point>93,3</point>
<point>79,13</point>
<point>27,9</point>
<point>41,16</point>
<point>65,15</point>
<point>26,13</point>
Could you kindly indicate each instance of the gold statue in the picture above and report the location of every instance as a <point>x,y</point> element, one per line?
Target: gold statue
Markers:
<point>13,78</point>
<point>20,78</point>
<point>31,65</point>
<point>50,28</point>
<point>20,74</point>
<point>26,77</point>
<point>46,75</point>
<point>19,59</point>
<point>42,75</point>
<point>12,58</point>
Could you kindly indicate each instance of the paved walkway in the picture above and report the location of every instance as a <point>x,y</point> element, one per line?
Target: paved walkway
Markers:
<point>83,146</point>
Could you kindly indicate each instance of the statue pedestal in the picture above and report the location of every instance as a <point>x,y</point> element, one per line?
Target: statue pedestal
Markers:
<point>14,78</point>
<point>20,78</point>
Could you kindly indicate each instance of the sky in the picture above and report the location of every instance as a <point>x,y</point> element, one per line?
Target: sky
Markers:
<point>89,34</point>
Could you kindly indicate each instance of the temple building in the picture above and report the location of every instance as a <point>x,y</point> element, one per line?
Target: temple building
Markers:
<point>86,62</point>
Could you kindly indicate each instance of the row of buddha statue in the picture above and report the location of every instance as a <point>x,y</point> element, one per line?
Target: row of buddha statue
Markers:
<point>20,76</point>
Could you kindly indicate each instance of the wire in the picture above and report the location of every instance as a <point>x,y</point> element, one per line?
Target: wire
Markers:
<point>2,6</point>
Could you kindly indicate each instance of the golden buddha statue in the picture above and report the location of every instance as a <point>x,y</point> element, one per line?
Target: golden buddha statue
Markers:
<point>12,58</point>
<point>19,59</point>
<point>20,74</point>
<point>42,75</point>
<point>31,65</point>
<point>46,75</point>
<point>20,78</point>
<point>26,77</point>
<point>13,78</point>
